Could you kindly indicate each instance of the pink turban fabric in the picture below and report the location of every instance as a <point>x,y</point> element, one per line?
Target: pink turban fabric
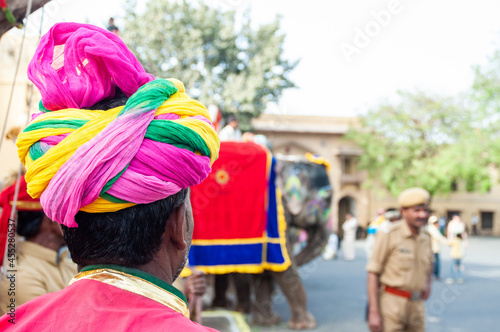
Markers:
<point>77,65</point>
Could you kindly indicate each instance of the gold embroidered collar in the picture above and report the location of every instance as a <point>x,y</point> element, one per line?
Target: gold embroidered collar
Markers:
<point>138,282</point>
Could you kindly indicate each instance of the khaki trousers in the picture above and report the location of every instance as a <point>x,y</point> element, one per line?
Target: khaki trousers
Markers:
<point>401,314</point>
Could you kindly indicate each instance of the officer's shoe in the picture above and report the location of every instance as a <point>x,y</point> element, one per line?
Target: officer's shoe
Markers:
<point>449,281</point>
<point>460,281</point>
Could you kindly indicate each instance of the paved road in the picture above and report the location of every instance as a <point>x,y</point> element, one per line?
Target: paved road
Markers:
<point>337,293</point>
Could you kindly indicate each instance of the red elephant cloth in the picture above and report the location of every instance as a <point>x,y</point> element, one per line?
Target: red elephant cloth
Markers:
<point>230,203</point>
<point>24,203</point>
<point>239,222</point>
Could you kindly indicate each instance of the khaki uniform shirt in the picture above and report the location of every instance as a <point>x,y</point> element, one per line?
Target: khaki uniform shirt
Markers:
<point>400,259</point>
<point>39,271</point>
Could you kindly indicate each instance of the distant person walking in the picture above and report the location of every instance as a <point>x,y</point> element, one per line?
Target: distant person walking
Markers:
<point>436,239</point>
<point>475,222</point>
<point>230,132</point>
<point>456,226</point>
<point>349,227</point>
<point>457,254</point>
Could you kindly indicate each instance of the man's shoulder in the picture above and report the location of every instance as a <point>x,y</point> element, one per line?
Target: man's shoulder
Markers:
<point>91,303</point>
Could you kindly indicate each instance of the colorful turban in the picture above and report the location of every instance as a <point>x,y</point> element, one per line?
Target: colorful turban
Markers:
<point>98,161</point>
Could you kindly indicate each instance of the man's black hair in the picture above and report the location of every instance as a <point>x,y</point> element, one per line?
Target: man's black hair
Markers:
<point>118,100</point>
<point>29,223</point>
<point>128,237</point>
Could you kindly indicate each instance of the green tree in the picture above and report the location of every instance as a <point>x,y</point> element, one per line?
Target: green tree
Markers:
<point>427,141</point>
<point>485,93</point>
<point>485,101</point>
<point>220,60</point>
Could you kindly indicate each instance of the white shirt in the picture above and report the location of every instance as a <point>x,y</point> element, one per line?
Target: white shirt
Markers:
<point>228,133</point>
<point>349,227</point>
<point>454,228</point>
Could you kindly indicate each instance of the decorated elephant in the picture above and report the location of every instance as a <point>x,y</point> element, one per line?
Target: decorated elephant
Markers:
<point>306,199</point>
<point>233,236</point>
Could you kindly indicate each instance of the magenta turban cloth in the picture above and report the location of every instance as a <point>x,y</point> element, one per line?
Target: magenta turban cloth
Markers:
<point>160,142</point>
<point>72,55</point>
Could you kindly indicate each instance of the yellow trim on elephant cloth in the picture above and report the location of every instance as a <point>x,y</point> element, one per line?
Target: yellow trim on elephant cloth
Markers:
<point>236,241</point>
<point>282,230</point>
<point>27,205</point>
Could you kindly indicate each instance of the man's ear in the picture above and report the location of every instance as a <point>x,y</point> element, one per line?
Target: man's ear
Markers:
<point>176,226</point>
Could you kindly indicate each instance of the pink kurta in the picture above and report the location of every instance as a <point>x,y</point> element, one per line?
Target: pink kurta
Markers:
<point>91,305</point>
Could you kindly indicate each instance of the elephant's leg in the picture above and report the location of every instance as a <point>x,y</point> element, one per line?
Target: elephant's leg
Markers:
<point>316,240</point>
<point>242,284</point>
<point>291,285</point>
<point>263,313</point>
<point>220,287</point>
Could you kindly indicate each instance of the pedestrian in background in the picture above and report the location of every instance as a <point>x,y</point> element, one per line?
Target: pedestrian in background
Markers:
<point>349,227</point>
<point>442,224</point>
<point>231,131</point>
<point>399,270</point>
<point>457,254</point>
<point>456,226</point>
<point>475,222</point>
<point>436,239</point>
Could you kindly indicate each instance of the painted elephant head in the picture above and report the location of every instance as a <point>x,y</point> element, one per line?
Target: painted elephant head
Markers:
<point>306,190</point>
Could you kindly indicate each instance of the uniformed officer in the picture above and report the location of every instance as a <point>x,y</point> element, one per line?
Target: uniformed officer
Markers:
<point>399,270</point>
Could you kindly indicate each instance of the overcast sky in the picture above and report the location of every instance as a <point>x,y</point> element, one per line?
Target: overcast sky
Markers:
<point>354,53</point>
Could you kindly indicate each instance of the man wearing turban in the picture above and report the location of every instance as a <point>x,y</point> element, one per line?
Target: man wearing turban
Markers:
<point>111,156</point>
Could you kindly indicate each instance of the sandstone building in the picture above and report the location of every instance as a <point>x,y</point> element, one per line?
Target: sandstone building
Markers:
<point>290,134</point>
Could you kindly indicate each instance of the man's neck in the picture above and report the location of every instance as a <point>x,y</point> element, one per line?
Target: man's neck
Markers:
<point>161,271</point>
